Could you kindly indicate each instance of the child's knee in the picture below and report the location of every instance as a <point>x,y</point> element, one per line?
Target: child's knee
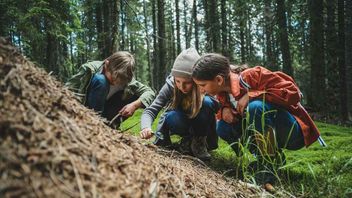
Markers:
<point>210,104</point>
<point>255,106</point>
<point>99,80</point>
<point>174,118</point>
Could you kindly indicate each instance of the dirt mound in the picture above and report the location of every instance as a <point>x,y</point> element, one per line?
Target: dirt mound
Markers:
<point>52,146</point>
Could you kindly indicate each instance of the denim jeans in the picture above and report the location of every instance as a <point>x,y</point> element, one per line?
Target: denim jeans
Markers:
<point>288,132</point>
<point>96,98</point>
<point>177,122</point>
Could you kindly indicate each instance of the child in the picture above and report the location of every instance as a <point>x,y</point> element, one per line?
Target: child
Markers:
<point>189,113</point>
<point>272,100</point>
<point>109,88</point>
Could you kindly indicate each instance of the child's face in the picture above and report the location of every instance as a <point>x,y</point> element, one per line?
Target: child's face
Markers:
<point>211,87</point>
<point>185,85</point>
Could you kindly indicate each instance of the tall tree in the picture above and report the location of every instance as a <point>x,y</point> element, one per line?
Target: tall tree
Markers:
<point>161,43</point>
<point>178,34</point>
<point>268,30</point>
<point>341,60</point>
<point>317,97</point>
<point>284,43</point>
<point>331,57</point>
<point>224,42</point>
<point>196,25</point>
<point>348,51</point>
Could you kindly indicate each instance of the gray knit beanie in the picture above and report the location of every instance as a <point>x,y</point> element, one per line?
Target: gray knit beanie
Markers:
<point>184,62</point>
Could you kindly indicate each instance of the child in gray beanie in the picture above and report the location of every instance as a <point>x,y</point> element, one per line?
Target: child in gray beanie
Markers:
<point>188,111</point>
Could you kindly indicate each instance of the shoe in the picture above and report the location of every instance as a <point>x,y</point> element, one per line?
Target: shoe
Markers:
<point>185,145</point>
<point>199,148</point>
<point>162,139</point>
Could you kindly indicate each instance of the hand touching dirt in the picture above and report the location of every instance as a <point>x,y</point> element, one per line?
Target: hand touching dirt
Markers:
<point>146,133</point>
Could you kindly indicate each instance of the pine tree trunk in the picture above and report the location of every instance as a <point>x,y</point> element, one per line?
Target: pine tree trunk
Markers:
<point>268,30</point>
<point>149,68</point>
<point>161,43</point>
<point>185,23</point>
<point>224,41</point>
<point>196,25</point>
<point>348,53</point>
<point>155,59</point>
<point>215,26</point>
<point>115,25</point>
<point>178,35</point>
<point>341,60</point>
<point>208,45</point>
<point>99,25</point>
<point>284,44</point>
<point>107,27</point>
<point>317,97</point>
<point>331,58</point>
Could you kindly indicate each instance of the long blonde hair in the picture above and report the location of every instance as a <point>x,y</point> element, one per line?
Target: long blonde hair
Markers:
<point>195,97</point>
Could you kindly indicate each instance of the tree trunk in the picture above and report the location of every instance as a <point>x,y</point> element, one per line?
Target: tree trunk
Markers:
<point>317,97</point>
<point>214,25</point>
<point>185,23</point>
<point>178,35</point>
<point>99,24</point>
<point>348,52</point>
<point>161,43</point>
<point>341,60</point>
<point>196,25</point>
<point>331,59</point>
<point>115,25</point>
<point>149,68</point>
<point>155,45</point>
<point>107,28</point>
<point>268,30</point>
<point>224,47</point>
<point>284,44</point>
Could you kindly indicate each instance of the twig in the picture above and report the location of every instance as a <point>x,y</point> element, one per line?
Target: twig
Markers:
<point>79,181</point>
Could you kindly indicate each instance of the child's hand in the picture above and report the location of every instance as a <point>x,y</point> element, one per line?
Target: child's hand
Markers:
<point>128,110</point>
<point>242,103</point>
<point>228,116</point>
<point>146,133</point>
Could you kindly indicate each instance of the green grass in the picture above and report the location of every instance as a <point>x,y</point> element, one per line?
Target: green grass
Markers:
<point>310,172</point>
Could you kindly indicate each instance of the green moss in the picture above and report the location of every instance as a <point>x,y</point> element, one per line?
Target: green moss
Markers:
<point>310,172</point>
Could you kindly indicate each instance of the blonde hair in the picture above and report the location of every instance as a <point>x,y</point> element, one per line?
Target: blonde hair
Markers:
<point>195,97</point>
<point>121,65</point>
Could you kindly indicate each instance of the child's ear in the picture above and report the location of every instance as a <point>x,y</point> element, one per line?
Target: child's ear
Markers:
<point>219,80</point>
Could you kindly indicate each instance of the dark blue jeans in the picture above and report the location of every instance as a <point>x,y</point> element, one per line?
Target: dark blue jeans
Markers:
<point>96,98</point>
<point>261,116</point>
<point>177,122</point>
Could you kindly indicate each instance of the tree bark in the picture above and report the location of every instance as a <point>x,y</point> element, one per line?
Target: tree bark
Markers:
<point>178,35</point>
<point>196,25</point>
<point>284,44</point>
<point>161,43</point>
<point>348,52</point>
<point>317,97</point>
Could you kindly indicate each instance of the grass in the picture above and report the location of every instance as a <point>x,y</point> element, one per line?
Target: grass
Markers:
<point>309,172</point>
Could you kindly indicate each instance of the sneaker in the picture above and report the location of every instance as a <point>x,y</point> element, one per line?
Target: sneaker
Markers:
<point>199,148</point>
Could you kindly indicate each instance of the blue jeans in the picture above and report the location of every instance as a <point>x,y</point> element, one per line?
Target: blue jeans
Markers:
<point>288,132</point>
<point>177,122</point>
<point>96,98</point>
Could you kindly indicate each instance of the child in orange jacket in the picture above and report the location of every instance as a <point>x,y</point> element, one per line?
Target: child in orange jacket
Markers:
<point>276,121</point>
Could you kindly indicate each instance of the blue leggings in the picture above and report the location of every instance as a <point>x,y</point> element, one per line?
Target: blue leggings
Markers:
<point>288,132</point>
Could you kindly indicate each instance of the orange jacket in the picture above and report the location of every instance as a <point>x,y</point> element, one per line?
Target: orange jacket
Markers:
<point>276,88</point>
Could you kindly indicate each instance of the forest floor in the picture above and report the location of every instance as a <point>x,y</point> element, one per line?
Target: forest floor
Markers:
<point>53,146</point>
<point>310,172</point>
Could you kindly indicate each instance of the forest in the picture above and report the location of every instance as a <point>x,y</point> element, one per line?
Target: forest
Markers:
<point>53,146</point>
<point>307,39</point>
